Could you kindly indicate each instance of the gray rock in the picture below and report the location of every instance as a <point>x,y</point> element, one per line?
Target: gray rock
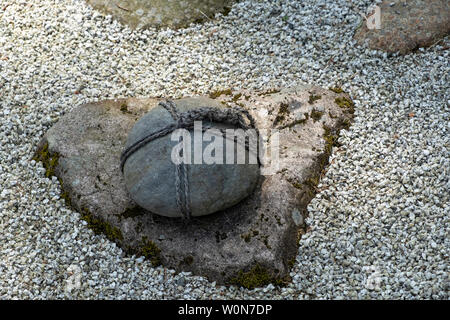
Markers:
<point>407,25</point>
<point>255,239</point>
<point>161,13</point>
<point>150,174</point>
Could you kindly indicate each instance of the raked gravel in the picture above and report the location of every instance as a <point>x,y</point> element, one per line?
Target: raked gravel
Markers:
<point>379,228</point>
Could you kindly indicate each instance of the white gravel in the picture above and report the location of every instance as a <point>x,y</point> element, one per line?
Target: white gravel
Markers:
<point>379,228</point>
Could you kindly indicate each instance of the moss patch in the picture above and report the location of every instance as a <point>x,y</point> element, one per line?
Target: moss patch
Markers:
<point>316,115</point>
<point>293,260</point>
<point>236,97</point>
<point>124,109</point>
<point>150,251</point>
<point>65,194</point>
<point>337,89</point>
<point>99,226</point>
<point>346,123</point>
<point>218,93</point>
<point>48,159</point>
<point>330,140</point>
<point>313,98</point>
<point>295,183</point>
<point>283,111</point>
<point>50,162</point>
<point>345,103</point>
<point>256,277</point>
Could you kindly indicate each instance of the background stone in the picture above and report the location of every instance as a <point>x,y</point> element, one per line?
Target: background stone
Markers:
<point>250,244</point>
<point>161,13</point>
<point>407,25</point>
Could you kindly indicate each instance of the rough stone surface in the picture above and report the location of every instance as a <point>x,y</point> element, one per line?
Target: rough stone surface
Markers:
<point>161,13</point>
<point>260,232</point>
<point>150,174</point>
<point>407,25</point>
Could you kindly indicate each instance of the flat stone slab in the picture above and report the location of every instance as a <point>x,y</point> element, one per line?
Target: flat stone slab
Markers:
<point>407,25</point>
<point>250,244</point>
<point>139,14</point>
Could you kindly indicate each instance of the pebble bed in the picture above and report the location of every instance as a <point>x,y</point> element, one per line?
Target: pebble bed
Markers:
<point>378,228</point>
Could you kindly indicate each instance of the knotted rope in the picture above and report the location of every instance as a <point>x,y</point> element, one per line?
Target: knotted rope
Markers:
<point>185,120</point>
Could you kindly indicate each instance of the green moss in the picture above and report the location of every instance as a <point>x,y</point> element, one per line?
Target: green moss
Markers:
<point>312,182</point>
<point>346,123</point>
<point>99,226</point>
<point>218,93</point>
<point>124,109</point>
<point>345,103</point>
<point>297,185</point>
<point>313,98</point>
<point>337,89</point>
<point>49,160</point>
<point>236,97</point>
<point>291,262</point>
<point>282,112</point>
<point>316,115</point>
<point>330,140</point>
<point>256,277</point>
<point>150,251</point>
<point>65,194</point>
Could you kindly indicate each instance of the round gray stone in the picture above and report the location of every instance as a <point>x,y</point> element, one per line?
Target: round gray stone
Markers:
<point>150,173</point>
